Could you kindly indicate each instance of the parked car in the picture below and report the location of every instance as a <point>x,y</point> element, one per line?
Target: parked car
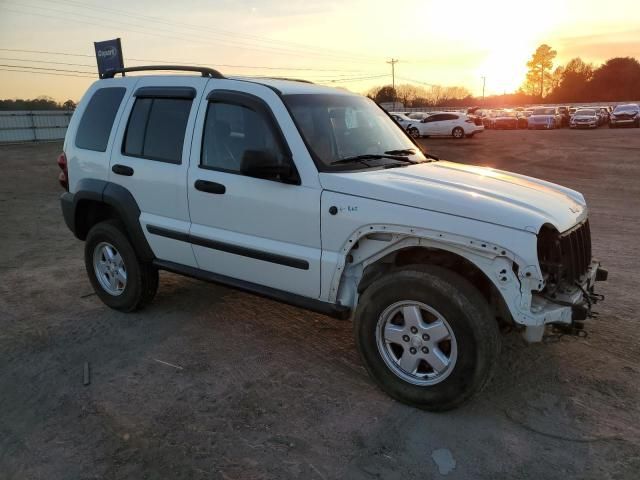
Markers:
<point>403,120</point>
<point>545,118</point>
<point>489,121</point>
<point>585,118</point>
<point>418,115</point>
<point>456,125</point>
<point>315,197</point>
<point>603,115</point>
<point>625,116</point>
<point>523,119</point>
<point>565,116</point>
<point>505,120</point>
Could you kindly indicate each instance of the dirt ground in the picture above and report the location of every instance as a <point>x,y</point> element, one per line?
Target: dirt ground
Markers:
<point>210,383</point>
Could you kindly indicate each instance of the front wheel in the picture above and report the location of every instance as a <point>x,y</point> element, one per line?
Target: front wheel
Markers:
<point>458,132</point>
<point>119,279</point>
<point>427,337</point>
<point>414,132</point>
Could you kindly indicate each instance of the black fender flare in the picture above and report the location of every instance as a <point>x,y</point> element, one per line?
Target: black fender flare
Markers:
<point>119,199</point>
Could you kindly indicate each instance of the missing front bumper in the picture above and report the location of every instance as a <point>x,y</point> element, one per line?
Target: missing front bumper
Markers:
<point>570,310</point>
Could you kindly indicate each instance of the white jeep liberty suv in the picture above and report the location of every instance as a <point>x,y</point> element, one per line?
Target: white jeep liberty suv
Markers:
<point>316,197</point>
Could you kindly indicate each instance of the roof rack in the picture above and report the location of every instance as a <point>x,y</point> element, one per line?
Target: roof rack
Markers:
<point>288,79</point>
<point>206,72</point>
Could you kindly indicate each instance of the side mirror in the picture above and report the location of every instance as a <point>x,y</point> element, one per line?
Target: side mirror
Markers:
<point>264,164</point>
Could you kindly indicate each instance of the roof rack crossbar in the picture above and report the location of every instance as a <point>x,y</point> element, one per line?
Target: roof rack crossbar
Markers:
<point>204,71</point>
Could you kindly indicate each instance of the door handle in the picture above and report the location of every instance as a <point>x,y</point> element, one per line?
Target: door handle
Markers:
<point>122,170</point>
<point>210,187</point>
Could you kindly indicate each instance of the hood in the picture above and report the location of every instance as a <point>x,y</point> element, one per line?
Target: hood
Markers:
<point>625,113</point>
<point>479,193</point>
<point>585,117</point>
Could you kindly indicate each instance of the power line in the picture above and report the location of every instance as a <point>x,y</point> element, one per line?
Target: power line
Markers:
<point>211,30</point>
<point>38,61</point>
<point>171,35</point>
<point>418,81</point>
<point>51,69</point>
<point>337,77</point>
<point>28,68</point>
<point>46,73</point>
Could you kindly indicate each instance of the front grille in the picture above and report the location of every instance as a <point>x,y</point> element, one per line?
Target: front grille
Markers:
<point>565,257</point>
<point>575,251</point>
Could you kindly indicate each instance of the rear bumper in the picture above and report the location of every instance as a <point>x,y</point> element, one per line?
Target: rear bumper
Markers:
<point>67,205</point>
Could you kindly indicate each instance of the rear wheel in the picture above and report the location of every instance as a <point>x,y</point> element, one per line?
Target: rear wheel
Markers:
<point>427,337</point>
<point>458,132</point>
<point>120,280</point>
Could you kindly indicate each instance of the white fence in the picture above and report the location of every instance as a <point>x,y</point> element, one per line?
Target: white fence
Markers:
<point>33,126</point>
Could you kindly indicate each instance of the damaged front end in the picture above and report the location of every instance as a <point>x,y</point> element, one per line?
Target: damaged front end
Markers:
<point>569,274</point>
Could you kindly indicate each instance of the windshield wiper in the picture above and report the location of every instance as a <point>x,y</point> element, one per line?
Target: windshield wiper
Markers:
<point>372,156</point>
<point>404,151</point>
<point>411,151</point>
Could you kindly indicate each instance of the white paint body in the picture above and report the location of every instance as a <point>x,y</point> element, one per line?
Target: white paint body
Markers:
<point>431,126</point>
<point>487,216</point>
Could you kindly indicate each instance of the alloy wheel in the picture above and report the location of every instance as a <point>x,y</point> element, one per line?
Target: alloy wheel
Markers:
<point>416,343</point>
<point>109,269</point>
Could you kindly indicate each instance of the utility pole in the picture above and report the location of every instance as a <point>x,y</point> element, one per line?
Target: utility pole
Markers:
<point>393,62</point>
<point>484,81</point>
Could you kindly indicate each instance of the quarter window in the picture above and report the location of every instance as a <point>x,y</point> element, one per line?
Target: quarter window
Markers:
<point>230,131</point>
<point>97,120</point>
<point>157,128</point>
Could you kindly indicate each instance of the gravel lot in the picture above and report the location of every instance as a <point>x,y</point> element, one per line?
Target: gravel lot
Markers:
<point>254,389</point>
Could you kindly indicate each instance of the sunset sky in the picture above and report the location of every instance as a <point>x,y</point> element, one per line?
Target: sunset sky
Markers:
<point>342,43</point>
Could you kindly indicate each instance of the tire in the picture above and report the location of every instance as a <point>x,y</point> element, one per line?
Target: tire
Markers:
<point>471,350</point>
<point>136,282</point>
<point>458,132</point>
<point>414,132</point>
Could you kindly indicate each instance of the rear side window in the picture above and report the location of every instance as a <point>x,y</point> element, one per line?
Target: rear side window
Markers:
<point>156,129</point>
<point>97,119</point>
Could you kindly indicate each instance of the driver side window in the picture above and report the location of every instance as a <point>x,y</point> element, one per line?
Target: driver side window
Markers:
<point>230,131</point>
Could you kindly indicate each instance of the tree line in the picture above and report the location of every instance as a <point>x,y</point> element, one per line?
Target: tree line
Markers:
<point>616,80</point>
<point>40,103</point>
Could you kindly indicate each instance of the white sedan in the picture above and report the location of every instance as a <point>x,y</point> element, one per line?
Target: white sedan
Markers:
<point>402,119</point>
<point>456,125</point>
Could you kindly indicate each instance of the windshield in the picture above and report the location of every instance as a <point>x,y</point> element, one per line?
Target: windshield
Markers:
<point>336,127</point>
<point>626,108</point>
<point>544,111</point>
<point>590,113</point>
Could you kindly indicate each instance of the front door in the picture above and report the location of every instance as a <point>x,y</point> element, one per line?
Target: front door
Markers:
<point>261,231</point>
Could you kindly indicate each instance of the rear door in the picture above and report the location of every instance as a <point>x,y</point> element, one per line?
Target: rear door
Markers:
<point>150,158</point>
<point>260,231</point>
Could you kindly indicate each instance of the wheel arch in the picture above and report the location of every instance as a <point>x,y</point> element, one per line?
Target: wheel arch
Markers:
<point>97,200</point>
<point>373,251</point>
